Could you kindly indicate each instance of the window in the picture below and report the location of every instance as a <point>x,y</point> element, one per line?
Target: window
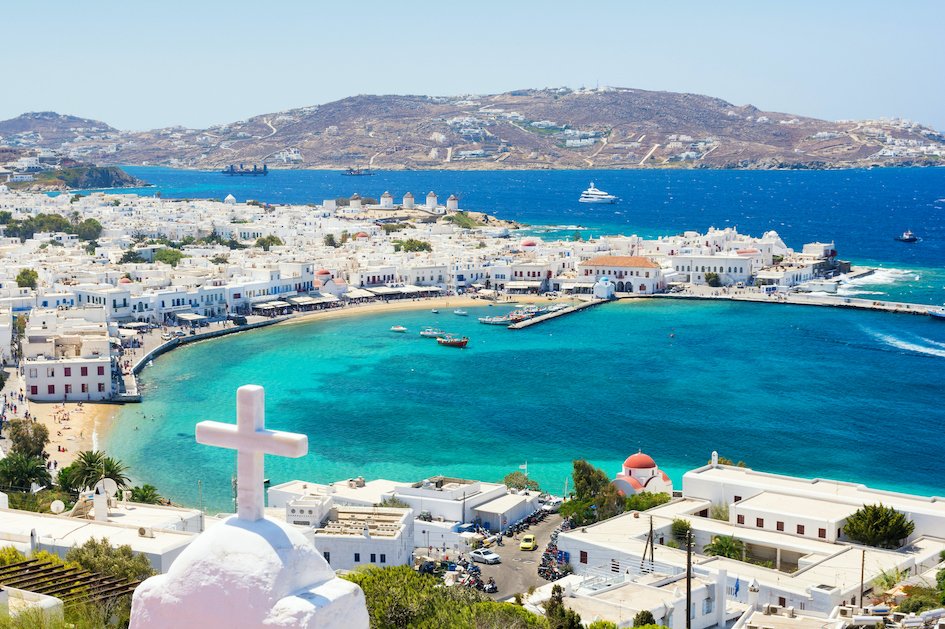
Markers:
<point>373,558</point>
<point>780,526</point>
<point>32,372</point>
<point>760,522</point>
<point>50,372</point>
<point>781,601</point>
<point>327,556</point>
<point>50,389</point>
<point>800,529</point>
<point>357,557</point>
<point>85,388</point>
<point>383,558</point>
<point>34,390</point>
<point>822,533</point>
<point>583,558</point>
<point>68,370</point>
<point>738,498</point>
<point>740,518</point>
<point>68,389</point>
<point>101,387</point>
<point>83,371</point>
<point>101,370</point>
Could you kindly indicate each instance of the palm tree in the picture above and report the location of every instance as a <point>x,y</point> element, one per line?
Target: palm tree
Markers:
<point>725,546</point>
<point>19,471</point>
<point>92,466</point>
<point>146,494</point>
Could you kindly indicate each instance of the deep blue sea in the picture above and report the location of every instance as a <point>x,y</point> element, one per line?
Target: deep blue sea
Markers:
<point>807,391</point>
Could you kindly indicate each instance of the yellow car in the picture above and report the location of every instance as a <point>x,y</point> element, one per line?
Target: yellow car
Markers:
<point>528,543</point>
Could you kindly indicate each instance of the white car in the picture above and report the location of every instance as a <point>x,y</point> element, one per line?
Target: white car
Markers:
<point>484,555</point>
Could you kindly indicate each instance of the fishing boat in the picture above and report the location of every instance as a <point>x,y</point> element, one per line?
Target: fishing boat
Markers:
<point>595,195</point>
<point>907,236</point>
<point>453,341</point>
<point>432,333</point>
<point>460,312</point>
<point>503,320</point>
<point>398,328</point>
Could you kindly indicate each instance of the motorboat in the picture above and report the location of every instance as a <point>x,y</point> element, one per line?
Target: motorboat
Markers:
<point>435,311</point>
<point>460,312</point>
<point>503,320</point>
<point>595,195</point>
<point>907,236</point>
<point>398,328</point>
<point>432,333</point>
<point>938,314</point>
<point>453,341</point>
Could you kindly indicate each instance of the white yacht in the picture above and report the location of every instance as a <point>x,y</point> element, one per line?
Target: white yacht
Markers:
<point>593,195</point>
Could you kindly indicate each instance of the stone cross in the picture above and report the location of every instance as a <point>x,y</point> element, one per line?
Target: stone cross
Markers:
<point>252,441</point>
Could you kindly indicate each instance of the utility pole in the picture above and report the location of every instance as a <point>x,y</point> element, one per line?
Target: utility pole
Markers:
<point>689,579</point>
<point>862,571</point>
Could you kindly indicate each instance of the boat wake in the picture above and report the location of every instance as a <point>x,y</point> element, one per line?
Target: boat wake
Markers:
<point>905,345</point>
<point>882,277</point>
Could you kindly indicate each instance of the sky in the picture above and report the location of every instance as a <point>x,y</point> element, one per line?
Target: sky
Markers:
<point>143,65</point>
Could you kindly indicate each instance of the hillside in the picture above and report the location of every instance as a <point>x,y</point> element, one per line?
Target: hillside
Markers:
<point>552,128</point>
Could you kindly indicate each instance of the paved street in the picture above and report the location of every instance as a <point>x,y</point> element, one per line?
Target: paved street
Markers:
<point>519,568</point>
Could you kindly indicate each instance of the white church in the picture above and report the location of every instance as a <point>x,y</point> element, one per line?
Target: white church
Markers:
<point>639,474</point>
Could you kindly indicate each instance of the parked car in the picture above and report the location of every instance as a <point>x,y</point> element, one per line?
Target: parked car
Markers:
<point>528,543</point>
<point>552,505</point>
<point>167,336</point>
<point>484,555</point>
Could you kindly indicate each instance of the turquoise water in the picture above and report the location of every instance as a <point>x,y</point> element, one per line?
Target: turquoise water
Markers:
<point>807,391</point>
<point>817,392</point>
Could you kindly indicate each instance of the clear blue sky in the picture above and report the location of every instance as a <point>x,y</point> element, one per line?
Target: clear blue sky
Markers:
<point>138,65</point>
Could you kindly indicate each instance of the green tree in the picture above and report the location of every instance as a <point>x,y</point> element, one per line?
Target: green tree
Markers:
<point>93,465</point>
<point>724,460</point>
<point>27,278</point>
<point>577,237</point>
<point>725,546</point>
<point>89,229</point>
<point>602,624</point>
<point>394,502</point>
<point>878,525</point>
<point>220,259</point>
<point>168,256</point>
<point>91,246</point>
<point>330,240</point>
<point>713,280</point>
<point>267,242</point>
<point>588,480</point>
<point>646,500</point>
<point>19,471</point>
<point>146,494</point>
<point>131,257</point>
<point>411,245</point>
<point>559,616</point>
<point>29,438</point>
<point>680,530</point>
<point>644,617</point>
<point>70,479</point>
<point>120,563</point>
<point>5,217</point>
<point>518,480</point>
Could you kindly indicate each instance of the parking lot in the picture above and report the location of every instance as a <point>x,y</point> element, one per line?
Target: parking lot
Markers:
<point>519,568</point>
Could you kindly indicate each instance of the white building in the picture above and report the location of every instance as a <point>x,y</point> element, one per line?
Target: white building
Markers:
<point>630,274</point>
<point>640,474</point>
<point>67,355</point>
<point>351,537</point>
<point>6,336</point>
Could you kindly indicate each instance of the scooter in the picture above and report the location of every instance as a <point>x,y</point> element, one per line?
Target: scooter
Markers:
<point>491,587</point>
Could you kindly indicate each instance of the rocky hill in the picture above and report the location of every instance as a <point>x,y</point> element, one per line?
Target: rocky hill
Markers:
<point>551,128</point>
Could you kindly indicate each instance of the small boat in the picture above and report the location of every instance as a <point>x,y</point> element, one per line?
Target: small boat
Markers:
<point>503,320</point>
<point>460,312</point>
<point>432,333</point>
<point>907,236</point>
<point>398,328</point>
<point>594,195</point>
<point>357,172</point>
<point>435,311</point>
<point>453,341</point>
<point>937,314</point>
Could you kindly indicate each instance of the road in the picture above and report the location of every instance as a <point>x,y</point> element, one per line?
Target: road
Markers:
<point>519,568</point>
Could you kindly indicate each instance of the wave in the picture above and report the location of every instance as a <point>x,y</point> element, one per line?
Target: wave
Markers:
<point>898,343</point>
<point>851,292</point>
<point>936,343</point>
<point>880,277</point>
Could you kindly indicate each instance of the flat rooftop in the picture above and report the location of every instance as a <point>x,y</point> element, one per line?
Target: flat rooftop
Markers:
<point>788,505</point>
<point>373,491</point>
<point>352,521</point>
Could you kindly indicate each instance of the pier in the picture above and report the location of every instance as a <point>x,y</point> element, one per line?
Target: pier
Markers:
<point>554,315</point>
<point>804,299</point>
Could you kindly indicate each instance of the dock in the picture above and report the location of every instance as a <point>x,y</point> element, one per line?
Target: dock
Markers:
<point>554,315</point>
<point>804,299</point>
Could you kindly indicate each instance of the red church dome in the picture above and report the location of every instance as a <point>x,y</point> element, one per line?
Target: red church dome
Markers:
<point>639,461</point>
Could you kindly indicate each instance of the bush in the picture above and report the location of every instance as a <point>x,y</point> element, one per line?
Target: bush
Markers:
<point>712,279</point>
<point>644,617</point>
<point>27,278</point>
<point>518,480</point>
<point>878,525</point>
<point>680,530</point>
<point>121,563</point>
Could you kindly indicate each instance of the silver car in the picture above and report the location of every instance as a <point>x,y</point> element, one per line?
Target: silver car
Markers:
<point>484,555</point>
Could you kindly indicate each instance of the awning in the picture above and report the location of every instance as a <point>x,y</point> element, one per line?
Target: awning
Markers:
<point>385,290</point>
<point>523,285</point>
<point>189,316</point>
<point>136,325</point>
<point>303,300</point>
<point>358,293</point>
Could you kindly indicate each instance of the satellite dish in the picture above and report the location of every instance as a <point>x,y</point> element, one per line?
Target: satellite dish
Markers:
<point>57,507</point>
<point>108,486</point>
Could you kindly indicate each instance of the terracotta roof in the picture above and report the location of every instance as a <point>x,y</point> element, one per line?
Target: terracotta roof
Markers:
<point>639,461</point>
<point>622,261</point>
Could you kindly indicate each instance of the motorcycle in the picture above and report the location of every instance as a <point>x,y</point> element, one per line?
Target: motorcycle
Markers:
<point>491,587</point>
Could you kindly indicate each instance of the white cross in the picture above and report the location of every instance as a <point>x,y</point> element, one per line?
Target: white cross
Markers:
<point>251,440</point>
